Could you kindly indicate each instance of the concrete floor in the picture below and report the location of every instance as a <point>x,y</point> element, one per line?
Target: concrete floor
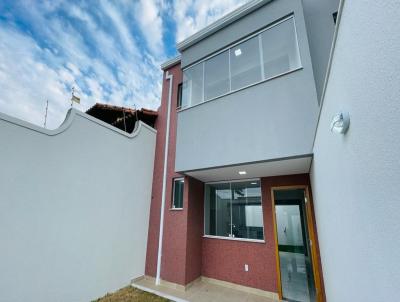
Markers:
<point>200,291</point>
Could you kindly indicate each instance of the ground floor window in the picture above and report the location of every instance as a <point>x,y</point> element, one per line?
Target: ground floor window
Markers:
<point>233,209</point>
<point>177,193</point>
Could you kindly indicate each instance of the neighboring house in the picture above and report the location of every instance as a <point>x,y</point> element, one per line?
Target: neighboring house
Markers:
<point>239,112</point>
<point>122,117</point>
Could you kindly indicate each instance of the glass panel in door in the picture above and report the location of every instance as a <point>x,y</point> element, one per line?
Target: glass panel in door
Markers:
<point>294,252</point>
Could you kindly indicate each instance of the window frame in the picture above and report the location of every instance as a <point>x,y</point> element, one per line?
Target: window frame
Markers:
<point>228,51</point>
<point>234,238</point>
<point>174,180</point>
<point>259,58</point>
<point>230,46</point>
<point>179,96</point>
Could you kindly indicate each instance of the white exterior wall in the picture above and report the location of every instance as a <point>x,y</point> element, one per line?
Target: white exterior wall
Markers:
<point>356,177</point>
<point>74,208</point>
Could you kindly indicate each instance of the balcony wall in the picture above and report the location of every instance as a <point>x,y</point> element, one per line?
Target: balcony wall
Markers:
<point>270,120</point>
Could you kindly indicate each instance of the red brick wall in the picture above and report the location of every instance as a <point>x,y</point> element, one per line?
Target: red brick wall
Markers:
<point>182,242</point>
<point>174,240</point>
<point>194,229</point>
<point>183,229</point>
<point>155,207</point>
<point>225,259</point>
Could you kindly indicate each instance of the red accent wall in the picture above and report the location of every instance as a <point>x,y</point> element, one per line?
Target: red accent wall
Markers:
<point>155,207</point>
<point>225,259</point>
<point>194,238</point>
<point>183,229</point>
<point>182,240</point>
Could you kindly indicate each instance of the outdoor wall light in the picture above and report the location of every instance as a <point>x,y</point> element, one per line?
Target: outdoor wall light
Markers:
<point>340,123</point>
<point>242,172</point>
<point>238,52</point>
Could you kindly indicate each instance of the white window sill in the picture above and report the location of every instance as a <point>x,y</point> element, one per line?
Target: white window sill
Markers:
<point>176,209</point>
<point>234,239</point>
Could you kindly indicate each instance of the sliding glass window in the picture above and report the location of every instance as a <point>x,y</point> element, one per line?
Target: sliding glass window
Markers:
<point>270,52</point>
<point>279,49</point>
<point>192,86</point>
<point>216,75</point>
<point>234,210</point>
<point>245,64</point>
<point>218,209</point>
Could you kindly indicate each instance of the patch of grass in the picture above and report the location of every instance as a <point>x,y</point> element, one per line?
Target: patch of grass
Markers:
<point>130,294</point>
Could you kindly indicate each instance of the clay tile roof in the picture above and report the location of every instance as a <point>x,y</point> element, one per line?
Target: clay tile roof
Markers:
<point>114,115</point>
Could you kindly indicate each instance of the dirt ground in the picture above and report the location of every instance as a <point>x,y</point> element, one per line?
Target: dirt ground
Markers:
<point>130,294</point>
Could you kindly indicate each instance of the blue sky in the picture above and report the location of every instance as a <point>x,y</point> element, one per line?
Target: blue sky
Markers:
<point>110,51</point>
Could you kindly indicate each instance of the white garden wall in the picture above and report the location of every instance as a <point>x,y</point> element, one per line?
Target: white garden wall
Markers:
<point>356,176</point>
<point>74,208</point>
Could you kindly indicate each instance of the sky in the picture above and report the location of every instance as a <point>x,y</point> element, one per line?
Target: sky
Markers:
<point>109,51</point>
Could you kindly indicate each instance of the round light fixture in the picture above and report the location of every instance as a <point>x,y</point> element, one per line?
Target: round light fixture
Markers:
<point>340,123</point>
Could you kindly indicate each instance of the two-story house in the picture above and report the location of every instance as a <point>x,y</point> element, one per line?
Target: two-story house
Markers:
<point>231,197</point>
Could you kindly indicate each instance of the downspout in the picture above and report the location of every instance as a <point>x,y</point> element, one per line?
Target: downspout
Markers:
<point>169,77</point>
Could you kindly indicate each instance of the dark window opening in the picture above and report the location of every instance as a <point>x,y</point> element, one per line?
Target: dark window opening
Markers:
<point>334,15</point>
<point>179,100</point>
<point>177,193</point>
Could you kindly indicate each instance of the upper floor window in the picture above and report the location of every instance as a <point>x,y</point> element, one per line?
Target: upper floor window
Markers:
<point>271,52</point>
<point>216,75</point>
<point>245,63</point>
<point>192,87</point>
<point>234,210</point>
<point>280,51</point>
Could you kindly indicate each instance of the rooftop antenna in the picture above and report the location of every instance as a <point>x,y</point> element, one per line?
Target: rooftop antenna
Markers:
<point>45,115</point>
<point>136,114</point>
<point>123,112</point>
<point>74,98</point>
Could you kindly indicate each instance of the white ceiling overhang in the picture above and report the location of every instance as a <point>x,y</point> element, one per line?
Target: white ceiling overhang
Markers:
<point>276,167</point>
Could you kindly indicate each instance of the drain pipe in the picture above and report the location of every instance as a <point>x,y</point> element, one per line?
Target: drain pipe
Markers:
<point>169,77</point>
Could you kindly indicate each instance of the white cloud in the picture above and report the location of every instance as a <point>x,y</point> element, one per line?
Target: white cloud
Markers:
<point>26,83</point>
<point>148,15</point>
<point>191,16</point>
<point>117,72</point>
<point>97,49</point>
<point>119,23</point>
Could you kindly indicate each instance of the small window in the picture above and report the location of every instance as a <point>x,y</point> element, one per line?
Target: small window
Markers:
<point>334,15</point>
<point>177,194</point>
<point>179,100</point>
